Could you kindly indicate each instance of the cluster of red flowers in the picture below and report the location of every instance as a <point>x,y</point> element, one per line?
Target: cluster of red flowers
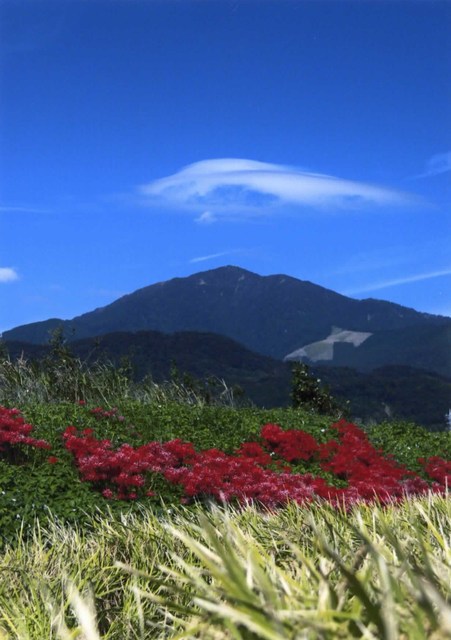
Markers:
<point>256,472</point>
<point>225,477</point>
<point>438,469</point>
<point>15,431</point>
<point>100,412</point>
<point>120,472</point>
<point>293,445</point>
<point>369,472</point>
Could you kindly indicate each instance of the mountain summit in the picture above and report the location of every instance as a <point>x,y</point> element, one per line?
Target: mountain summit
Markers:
<point>274,315</point>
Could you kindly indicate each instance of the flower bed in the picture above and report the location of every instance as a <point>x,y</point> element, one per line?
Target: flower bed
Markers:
<point>279,466</point>
<point>257,471</point>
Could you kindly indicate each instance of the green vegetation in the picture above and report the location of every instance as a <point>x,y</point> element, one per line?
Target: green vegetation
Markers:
<point>36,488</point>
<point>228,574</point>
<point>75,565</point>
<point>308,393</point>
<point>61,376</point>
<point>212,369</point>
<point>49,393</point>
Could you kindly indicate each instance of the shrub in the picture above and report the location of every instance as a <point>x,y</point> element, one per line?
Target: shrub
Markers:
<point>307,392</point>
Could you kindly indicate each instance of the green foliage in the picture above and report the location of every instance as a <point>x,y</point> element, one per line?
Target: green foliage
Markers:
<point>36,488</point>
<point>308,393</point>
<point>54,491</point>
<point>206,426</point>
<point>146,412</point>
<point>218,574</point>
<point>407,442</point>
<point>28,492</point>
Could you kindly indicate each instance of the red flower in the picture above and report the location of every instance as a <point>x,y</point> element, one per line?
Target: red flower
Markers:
<point>14,431</point>
<point>252,474</point>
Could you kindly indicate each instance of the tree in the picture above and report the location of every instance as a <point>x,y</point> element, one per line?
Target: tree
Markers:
<point>307,393</point>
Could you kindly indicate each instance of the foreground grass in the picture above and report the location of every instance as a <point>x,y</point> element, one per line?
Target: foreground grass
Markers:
<point>222,573</point>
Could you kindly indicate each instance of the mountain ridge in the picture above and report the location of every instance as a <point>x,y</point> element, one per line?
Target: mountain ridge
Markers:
<point>273,315</point>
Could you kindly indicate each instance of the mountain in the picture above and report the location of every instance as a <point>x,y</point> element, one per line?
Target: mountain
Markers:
<point>424,346</point>
<point>391,393</point>
<point>271,315</point>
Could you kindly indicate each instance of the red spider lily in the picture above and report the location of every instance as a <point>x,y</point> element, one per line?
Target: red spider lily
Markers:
<point>438,469</point>
<point>253,473</point>
<point>15,431</point>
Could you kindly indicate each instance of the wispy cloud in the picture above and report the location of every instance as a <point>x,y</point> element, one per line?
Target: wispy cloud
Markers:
<point>373,260</point>
<point>440,163</point>
<point>227,187</point>
<point>8,274</point>
<point>212,256</point>
<point>22,209</point>
<point>385,284</point>
<point>207,217</point>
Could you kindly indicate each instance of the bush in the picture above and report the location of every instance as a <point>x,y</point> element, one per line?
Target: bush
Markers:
<point>308,394</point>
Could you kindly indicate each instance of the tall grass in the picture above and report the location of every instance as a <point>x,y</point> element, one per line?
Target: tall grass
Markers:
<point>235,574</point>
<point>63,377</point>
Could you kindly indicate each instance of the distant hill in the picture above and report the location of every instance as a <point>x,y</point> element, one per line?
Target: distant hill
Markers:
<point>266,381</point>
<point>424,347</point>
<point>391,392</point>
<point>271,315</point>
<point>385,393</point>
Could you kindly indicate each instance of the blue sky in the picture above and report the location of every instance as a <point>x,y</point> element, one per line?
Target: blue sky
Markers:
<point>142,140</point>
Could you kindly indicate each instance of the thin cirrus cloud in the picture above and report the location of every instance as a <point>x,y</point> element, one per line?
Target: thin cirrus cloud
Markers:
<point>226,187</point>
<point>212,256</point>
<point>8,274</point>
<point>22,209</point>
<point>385,284</point>
<point>440,163</point>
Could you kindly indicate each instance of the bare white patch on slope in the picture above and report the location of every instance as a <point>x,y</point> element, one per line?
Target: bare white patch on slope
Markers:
<point>324,349</point>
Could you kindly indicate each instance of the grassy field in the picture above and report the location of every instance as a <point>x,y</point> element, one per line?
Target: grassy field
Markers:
<point>226,573</point>
<point>74,564</point>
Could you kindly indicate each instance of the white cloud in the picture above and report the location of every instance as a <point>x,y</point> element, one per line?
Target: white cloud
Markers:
<point>212,256</point>
<point>7,274</point>
<point>440,163</point>
<point>376,286</point>
<point>206,218</point>
<point>230,186</point>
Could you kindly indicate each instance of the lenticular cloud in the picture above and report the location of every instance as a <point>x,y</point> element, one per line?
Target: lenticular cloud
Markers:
<point>228,186</point>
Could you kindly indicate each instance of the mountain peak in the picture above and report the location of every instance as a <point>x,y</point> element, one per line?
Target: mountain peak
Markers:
<point>226,271</point>
<point>273,315</point>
